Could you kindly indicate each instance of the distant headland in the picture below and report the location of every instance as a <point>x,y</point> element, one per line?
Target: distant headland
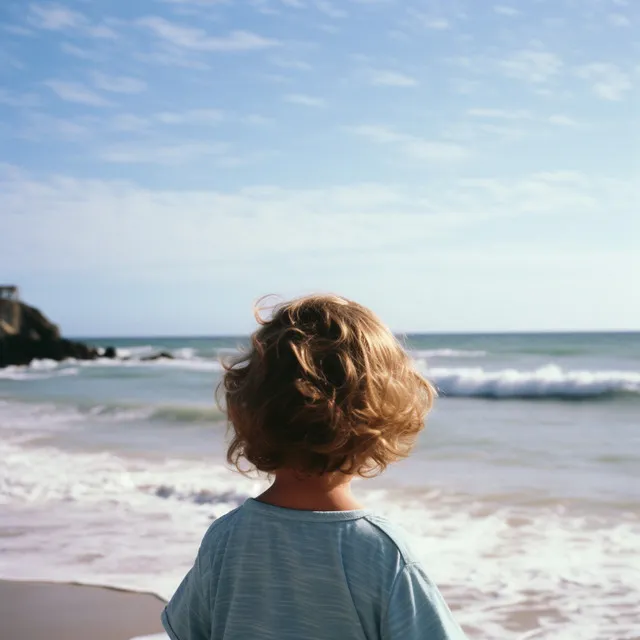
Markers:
<point>26,334</point>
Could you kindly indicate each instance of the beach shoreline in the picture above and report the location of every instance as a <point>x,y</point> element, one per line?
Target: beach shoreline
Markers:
<point>31,610</point>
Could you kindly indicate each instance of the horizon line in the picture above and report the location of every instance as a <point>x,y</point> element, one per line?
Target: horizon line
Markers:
<point>526,332</point>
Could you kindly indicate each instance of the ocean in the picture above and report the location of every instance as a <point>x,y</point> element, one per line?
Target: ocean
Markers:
<point>522,495</point>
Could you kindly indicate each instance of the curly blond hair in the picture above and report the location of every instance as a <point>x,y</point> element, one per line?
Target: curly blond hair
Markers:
<point>324,387</point>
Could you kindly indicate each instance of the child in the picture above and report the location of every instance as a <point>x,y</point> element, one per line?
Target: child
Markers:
<point>324,394</point>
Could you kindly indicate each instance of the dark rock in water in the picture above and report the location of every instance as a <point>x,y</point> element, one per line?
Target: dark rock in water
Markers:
<point>163,355</point>
<point>110,352</point>
<point>21,350</point>
<point>26,334</point>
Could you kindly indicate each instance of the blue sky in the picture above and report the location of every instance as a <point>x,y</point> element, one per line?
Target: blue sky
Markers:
<point>456,165</point>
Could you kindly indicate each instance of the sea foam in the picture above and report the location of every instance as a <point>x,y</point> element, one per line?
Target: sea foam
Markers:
<point>550,381</point>
<point>546,382</point>
<point>495,561</point>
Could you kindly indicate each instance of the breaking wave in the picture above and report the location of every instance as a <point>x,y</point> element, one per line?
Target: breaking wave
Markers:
<point>550,381</point>
<point>546,382</point>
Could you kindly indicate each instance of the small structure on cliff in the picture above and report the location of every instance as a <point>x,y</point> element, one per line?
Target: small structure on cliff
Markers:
<point>10,310</point>
<point>9,292</point>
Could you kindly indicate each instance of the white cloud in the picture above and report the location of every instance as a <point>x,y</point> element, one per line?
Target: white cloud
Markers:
<point>550,192</point>
<point>512,116</point>
<point>330,9</point>
<point>290,63</point>
<point>257,120</point>
<point>199,40</point>
<point>439,24</point>
<point>130,122</point>
<point>563,121</point>
<point>506,10</point>
<point>193,225</point>
<point>17,30</point>
<point>435,151</point>
<point>275,78</point>
<point>481,133</point>
<point>18,99</point>
<point>388,78</point>
<point>54,17</point>
<point>393,228</point>
<point>41,126</point>
<point>487,116</point>
<point>264,6</point>
<point>173,56</point>
<point>413,146</point>
<point>9,61</point>
<point>101,31</point>
<point>79,52</point>
<point>76,92</point>
<point>191,116</point>
<point>531,65</point>
<point>162,154</point>
<point>500,114</point>
<point>619,20</point>
<point>428,20</point>
<point>378,133</point>
<point>118,84</point>
<point>464,86</point>
<point>305,100</point>
<point>207,3</point>
<point>607,80</point>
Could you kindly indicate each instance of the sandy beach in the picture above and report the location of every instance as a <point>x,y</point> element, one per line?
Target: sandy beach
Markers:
<point>47,611</point>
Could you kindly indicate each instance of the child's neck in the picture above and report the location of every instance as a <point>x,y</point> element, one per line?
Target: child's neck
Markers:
<point>327,492</point>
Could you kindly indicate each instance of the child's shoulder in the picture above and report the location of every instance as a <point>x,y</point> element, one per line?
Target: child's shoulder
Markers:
<point>393,537</point>
<point>225,521</point>
<point>220,527</point>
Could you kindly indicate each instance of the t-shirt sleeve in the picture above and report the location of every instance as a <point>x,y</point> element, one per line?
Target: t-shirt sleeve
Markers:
<point>417,611</point>
<point>187,616</point>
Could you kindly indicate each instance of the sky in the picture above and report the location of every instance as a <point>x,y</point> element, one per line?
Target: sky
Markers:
<point>456,165</point>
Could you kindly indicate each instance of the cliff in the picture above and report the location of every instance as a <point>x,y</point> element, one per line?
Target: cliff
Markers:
<point>26,334</point>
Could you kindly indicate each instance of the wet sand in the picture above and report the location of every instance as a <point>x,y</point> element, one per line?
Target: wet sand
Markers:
<point>45,611</point>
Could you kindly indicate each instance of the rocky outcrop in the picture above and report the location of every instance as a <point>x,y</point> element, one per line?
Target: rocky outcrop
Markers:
<point>38,338</point>
<point>110,352</point>
<point>36,326</point>
<point>162,355</point>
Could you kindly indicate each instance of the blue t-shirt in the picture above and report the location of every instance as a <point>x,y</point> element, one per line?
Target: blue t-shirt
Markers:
<point>264,572</point>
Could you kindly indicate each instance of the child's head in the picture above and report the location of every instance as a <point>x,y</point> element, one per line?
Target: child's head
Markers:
<point>325,387</point>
